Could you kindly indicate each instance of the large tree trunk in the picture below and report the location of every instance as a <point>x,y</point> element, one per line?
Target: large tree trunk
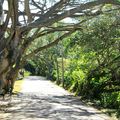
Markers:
<point>4,67</point>
<point>10,58</point>
<point>10,67</point>
<point>12,76</point>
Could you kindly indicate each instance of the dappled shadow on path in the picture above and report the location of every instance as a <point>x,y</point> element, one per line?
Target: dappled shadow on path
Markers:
<point>31,106</point>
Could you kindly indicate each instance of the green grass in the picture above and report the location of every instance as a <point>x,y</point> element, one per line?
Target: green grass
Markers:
<point>18,83</point>
<point>26,73</point>
<point>18,86</point>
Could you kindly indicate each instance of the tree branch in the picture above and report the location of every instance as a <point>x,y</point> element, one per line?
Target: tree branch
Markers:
<point>27,11</point>
<point>48,45</point>
<point>48,19</point>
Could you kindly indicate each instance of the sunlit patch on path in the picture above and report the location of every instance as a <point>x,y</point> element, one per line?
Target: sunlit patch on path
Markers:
<point>42,100</point>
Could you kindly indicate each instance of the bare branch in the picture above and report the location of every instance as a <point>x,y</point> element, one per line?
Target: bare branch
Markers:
<point>27,11</point>
<point>49,19</point>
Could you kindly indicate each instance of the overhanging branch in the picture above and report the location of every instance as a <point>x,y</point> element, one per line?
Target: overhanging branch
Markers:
<point>49,19</point>
<point>48,45</point>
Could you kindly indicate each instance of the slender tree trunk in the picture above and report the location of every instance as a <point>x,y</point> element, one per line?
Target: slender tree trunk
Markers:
<point>62,67</point>
<point>57,67</point>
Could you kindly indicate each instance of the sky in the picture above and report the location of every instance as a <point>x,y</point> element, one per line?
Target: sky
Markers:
<point>21,8</point>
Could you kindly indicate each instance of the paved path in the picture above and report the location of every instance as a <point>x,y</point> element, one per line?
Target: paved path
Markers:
<point>42,100</point>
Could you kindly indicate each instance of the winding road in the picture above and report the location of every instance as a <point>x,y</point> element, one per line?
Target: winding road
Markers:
<point>41,99</point>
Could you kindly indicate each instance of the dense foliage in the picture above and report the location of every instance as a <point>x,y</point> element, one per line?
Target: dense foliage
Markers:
<point>94,70</point>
